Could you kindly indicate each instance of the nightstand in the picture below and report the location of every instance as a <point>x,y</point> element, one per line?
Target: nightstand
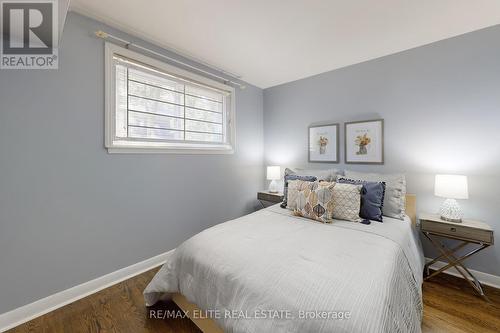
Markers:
<point>467,232</point>
<point>266,196</point>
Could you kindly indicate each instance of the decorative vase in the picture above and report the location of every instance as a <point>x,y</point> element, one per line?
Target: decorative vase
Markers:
<point>362,150</point>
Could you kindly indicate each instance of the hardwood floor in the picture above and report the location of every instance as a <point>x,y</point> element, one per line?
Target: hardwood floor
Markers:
<point>119,308</point>
<point>449,306</point>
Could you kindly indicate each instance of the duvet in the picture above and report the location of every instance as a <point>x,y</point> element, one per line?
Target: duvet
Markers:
<point>270,271</point>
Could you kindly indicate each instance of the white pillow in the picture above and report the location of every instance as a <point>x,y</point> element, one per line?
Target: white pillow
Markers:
<point>347,202</point>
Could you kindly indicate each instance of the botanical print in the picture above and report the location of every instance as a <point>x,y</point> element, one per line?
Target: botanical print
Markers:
<point>362,142</point>
<point>323,143</point>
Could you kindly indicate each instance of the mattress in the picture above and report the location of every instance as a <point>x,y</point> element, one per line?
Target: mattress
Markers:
<point>271,271</point>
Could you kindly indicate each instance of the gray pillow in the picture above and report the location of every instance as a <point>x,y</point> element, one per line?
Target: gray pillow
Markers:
<point>328,175</point>
<point>395,191</point>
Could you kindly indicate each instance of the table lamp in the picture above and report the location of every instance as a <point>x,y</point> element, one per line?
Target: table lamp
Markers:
<point>451,187</point>
<point>273,174</point>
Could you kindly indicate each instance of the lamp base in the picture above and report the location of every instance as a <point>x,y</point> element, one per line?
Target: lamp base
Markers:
<point>450,211</point>
<point>273,187</point>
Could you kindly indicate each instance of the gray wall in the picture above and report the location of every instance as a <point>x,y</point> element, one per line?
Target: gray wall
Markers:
<point>441,105</point>
<point>71,212</point>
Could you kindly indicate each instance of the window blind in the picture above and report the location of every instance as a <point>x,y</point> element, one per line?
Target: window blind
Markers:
<point>152,105</point>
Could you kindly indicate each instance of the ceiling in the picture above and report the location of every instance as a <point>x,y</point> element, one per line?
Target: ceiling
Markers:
<point>269,42</point>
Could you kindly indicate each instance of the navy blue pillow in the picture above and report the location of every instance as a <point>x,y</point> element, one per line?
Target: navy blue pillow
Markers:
<point>372,198</point>
<point>293,177</point>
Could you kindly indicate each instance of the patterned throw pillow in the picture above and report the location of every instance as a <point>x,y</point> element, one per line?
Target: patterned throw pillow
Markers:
<point>294,186</point>
<point>347,202</point>
<point>305,174</point>
<point>288,178</point>
<point>315,201</point>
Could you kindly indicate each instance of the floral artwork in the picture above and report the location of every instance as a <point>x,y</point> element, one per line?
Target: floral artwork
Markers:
<point>362,142</point>
<point>323,143</point>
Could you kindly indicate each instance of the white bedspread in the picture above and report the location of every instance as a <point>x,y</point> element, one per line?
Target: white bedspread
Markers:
<point>271,263</point>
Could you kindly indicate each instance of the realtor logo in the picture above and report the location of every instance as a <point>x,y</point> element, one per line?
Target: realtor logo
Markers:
<point>29,34</point>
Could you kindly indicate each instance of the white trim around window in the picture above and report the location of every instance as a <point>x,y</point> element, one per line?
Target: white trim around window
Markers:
<point>155,118</point>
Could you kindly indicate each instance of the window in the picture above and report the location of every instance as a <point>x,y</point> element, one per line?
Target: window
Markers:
<point>155,107</point>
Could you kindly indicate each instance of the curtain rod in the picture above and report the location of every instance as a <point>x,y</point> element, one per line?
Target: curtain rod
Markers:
<point>105,35</point>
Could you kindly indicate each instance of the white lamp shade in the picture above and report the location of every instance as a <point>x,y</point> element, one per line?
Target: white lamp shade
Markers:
<point>451,187</point>
<point>273,173</point>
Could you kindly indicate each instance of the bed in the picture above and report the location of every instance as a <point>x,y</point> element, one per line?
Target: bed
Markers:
<point>271,271</point>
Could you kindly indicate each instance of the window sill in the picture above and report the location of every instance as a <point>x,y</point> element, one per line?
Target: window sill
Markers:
<point>163,150</point>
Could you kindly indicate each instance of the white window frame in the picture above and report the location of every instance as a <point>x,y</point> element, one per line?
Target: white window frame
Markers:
<point>116,145</point>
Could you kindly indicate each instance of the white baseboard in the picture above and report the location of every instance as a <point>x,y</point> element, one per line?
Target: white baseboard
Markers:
<point>484,278</point>
<point>30,311</point>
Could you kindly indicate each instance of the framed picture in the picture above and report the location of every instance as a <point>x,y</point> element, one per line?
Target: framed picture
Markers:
<point>324,143</point>
<point>364,142</point>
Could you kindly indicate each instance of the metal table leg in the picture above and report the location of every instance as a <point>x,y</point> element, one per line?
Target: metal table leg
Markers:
<point>456,248</point>
<point>456,262</point>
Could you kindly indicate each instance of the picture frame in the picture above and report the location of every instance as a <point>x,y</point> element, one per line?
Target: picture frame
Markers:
<point>323,143</point>
<point>364,142</point>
